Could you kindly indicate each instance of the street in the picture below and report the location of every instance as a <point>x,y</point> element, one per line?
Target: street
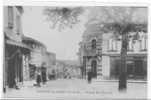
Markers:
<point>78,88</point>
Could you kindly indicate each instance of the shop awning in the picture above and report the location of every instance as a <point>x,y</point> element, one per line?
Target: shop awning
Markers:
<point>19,44</point>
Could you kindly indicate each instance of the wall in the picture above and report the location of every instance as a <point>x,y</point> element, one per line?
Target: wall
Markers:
<point>13,17</point>
<point>107,52</point>
<point>106,66</point>
<point>138,45</point>
<point>36,58</point>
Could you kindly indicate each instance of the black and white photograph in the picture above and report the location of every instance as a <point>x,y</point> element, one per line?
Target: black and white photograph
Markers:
<point>80,52</point>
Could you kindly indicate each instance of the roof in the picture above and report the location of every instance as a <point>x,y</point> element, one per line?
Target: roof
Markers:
<point>20,44</point>
<point>29,39</point>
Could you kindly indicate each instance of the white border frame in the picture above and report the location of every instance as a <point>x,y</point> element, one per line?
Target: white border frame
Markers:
<point>76,3</point>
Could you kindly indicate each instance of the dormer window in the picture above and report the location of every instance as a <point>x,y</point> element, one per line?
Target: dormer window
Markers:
<point>94,44</point>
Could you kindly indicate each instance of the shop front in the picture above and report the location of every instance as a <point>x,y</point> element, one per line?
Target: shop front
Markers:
<point>136,67</point>
<point>14,52</point>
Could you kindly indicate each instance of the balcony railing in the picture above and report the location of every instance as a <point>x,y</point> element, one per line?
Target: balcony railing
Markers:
<point>93,52</point>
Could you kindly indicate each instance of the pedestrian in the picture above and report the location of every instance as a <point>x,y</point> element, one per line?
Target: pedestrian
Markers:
<point>89,78</point>
<point>43,73</point>
<point>38,78</point>
<point>53,74</point>
<point>15,84</point>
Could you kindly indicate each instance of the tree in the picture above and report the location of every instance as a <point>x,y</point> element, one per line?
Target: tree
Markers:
<point>122,21</point>
<point>118,20</point>
<point>63,17</point>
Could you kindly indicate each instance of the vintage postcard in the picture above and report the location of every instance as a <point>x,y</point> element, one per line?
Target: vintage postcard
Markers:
<point>75,52</point>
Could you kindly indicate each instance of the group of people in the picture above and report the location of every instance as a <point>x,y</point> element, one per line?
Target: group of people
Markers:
<point>41,76</point>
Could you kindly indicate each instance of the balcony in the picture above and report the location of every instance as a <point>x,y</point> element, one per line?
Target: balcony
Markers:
<point>93,52</point>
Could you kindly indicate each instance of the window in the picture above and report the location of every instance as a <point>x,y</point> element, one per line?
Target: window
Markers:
<point>93,44</point>
<point>130,45</point>
<point>10,17</point>
<point>112,45</point>
<point>143,43</point>
<point>18,25</point>
<point>94,67</point>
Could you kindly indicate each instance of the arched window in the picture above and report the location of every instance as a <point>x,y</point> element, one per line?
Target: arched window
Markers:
<point>93,44</point>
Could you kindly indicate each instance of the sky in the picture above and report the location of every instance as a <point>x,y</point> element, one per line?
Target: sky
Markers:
<point>64,44</point>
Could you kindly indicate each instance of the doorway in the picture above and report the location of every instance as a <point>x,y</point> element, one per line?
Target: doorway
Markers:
<point>139,68</point>
<point>130,68</point>
<point>93,68</point>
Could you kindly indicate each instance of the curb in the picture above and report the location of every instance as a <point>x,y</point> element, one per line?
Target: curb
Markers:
<point>128,81</point>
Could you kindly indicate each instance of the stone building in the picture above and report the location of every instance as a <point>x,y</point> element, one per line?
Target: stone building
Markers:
<point>100,53</point>
<point>90,51</point>
<point>15,50</point>
<point>22,55</point>
<point>37,55</point>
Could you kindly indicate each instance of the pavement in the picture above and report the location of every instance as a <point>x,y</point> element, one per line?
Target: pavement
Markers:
<point>78,89</point>
<point>115,80</point>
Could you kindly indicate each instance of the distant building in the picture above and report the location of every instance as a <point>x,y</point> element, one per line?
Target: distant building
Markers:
<point>51,59</point>
<point>73,71</point>
<point>67,69</point>
<point>100,53</point>
<point>50,62</point>
<point>60,69</point>
<point>37,55</point>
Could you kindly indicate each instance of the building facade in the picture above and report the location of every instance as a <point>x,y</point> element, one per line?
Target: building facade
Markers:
<point>90,51</point>
<point>14,49</point>
<point>22,55</point>
<point>37,55</point>
<point>51,63</point>
<point>100,53</point>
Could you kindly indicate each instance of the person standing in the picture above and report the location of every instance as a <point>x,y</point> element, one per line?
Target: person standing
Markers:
<point>38,74</point>
<point>43,73</point>
<point>89,78</point>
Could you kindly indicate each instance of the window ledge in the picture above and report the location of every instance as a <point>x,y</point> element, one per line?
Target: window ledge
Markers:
<point>112,50</point>
<point>143,50</point>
